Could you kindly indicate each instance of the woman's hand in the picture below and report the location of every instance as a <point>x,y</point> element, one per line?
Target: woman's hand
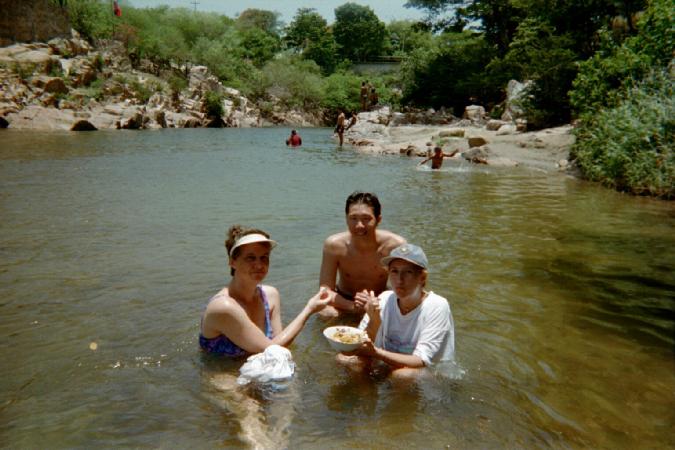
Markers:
<point>320,300</point>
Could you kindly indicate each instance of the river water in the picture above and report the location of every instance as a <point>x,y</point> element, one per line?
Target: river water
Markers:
<point>111,243</point>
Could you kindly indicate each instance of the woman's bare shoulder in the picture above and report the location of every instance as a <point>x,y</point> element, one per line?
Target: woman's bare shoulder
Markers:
<point>222,303</point>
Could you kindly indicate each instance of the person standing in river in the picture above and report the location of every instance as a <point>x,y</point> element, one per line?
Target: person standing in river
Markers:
<point>354,257</point>
<point>340,126</point>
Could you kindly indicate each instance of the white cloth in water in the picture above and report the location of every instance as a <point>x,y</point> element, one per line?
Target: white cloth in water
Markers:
<point>274,364</point>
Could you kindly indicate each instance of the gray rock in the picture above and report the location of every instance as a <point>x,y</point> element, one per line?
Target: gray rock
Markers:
<point>494,125</point>
<point>476,141</point>
<point>507,129</point>
<point>452,132</point>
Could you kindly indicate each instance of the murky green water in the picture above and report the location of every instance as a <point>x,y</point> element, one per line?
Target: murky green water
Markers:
<point>563,295</point>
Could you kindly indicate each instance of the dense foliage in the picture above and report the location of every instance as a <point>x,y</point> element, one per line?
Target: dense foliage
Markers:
<point>630,147</point>
<point>624,94</point>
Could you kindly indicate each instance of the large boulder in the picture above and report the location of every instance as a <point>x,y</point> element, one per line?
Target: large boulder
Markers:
<point>476,141</point>
<point>474,113</point>
<point>494,125</point>
<point>515,92</point>
<point>477,155</point>
<point>41,118</point>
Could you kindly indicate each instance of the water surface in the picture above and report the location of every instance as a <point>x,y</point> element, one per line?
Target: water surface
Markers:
<point>562,294</point>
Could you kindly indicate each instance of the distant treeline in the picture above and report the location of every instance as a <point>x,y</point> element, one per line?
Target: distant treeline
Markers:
<point>606,63</point>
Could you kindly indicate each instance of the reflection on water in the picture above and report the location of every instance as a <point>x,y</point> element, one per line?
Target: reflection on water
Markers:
<point>562,295</point>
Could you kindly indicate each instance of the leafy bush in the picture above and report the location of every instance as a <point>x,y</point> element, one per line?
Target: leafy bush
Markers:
<point>341,91</point>
<point>296,83</point>
<point>213,104</point>
<point>91,18</point>
<point>630,147</point>
<point>142,91</point>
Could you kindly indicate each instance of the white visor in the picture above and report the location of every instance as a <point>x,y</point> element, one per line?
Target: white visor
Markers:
<point>252,239</point>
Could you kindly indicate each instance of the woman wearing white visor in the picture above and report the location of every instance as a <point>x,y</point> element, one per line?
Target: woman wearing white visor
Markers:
<point>245,316</point>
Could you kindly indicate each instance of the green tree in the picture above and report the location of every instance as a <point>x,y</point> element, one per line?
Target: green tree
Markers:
<point>450,73</point>
<point>615,67</point>
<point>405,36</point>
<point>257,46</point>
<point>261,19</point>
<point>309,35</point>
<point>358,32</point>
<point>538,54</point>
<point>307,26</point>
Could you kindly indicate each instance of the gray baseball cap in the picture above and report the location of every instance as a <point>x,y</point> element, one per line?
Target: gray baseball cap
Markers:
<point>407,252</point>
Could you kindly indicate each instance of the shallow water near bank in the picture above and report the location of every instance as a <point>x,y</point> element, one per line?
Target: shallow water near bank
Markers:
<point>562,294</point>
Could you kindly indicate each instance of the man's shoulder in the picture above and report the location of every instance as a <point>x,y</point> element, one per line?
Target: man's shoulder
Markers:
<point>389,240</point>
<point>337,240</point>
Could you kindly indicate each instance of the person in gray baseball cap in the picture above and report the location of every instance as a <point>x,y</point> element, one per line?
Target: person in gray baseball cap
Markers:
<point>408,327</point>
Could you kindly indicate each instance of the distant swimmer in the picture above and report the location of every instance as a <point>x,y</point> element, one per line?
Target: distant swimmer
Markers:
<point>294,139</point>
<point>437,158</point>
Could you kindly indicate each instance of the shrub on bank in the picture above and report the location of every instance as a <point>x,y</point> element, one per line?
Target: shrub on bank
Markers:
<point>630,147</point>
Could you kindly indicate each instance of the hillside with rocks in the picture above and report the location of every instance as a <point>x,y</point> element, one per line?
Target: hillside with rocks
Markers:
<point>68,84</point>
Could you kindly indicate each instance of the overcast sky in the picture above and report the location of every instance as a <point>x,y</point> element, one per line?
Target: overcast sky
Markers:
<point>386,10</point>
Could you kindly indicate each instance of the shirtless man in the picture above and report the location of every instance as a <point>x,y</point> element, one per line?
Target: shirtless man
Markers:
<point>355,256</point>
<point>364,95</point>
<point>340,126</point>
<point>437,158</point>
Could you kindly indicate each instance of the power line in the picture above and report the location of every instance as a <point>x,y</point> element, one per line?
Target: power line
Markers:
<point>195,3</point>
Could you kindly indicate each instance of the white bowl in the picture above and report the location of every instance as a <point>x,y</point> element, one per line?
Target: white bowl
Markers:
<point>341,346</point>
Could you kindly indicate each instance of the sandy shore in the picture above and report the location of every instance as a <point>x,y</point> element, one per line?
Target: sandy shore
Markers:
<point>546,150</point>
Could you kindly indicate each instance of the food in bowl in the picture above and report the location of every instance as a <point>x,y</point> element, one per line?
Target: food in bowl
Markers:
<point>343,338</point>
<point>347,337</point>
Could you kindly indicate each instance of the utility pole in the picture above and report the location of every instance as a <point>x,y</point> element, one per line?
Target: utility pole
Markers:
<point>195,3</point>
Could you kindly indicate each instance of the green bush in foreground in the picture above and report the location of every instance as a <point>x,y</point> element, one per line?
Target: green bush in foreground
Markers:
<point>630,147</point>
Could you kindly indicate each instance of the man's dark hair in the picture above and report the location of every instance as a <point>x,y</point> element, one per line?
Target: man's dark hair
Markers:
<point>367,199</point>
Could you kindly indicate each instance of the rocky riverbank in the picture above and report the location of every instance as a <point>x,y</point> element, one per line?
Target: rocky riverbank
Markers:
<point>66,84</point>
<point>479,140</point>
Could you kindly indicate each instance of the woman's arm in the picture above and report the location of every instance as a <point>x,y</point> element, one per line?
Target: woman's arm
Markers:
<point>235,324</point>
